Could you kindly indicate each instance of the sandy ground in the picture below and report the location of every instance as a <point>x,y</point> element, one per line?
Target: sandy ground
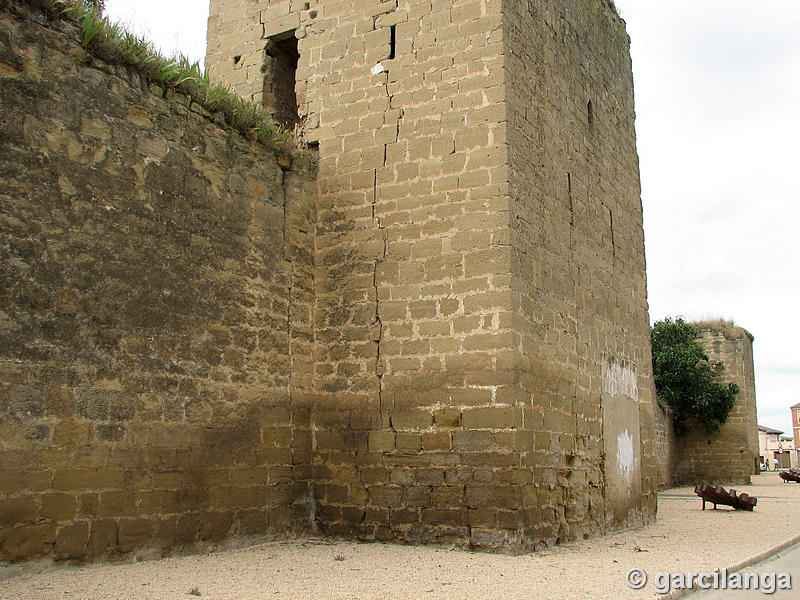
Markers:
<point>684,539</point>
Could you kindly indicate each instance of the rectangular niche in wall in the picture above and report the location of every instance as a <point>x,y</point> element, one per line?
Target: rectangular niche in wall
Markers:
<point>280,68</point>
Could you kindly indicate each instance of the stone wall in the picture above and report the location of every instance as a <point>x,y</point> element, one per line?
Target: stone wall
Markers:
<point>413,438</point>
<point>156,293</point>
<point>579,288</point>
<point>440,334</point>
<point>729,455</point>
<point>666,445</point>
<point>482,366</point>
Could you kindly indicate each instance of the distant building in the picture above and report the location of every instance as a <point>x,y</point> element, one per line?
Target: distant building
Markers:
<point>796,430</point>
<point>773,444</point>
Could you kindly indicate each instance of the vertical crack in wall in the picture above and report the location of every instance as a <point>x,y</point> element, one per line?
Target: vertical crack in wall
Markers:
<point>376,329</point>
<point>290,298</point>
<point>613,244</point>
<point>289,240</point>
<point>389,108</point>
<point>287,256</point>
<point>386,82</point>
<point>574,396</point>
<point>399,118</point>
<point>571,210</point>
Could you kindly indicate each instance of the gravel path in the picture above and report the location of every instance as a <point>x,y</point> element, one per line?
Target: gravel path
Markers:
<point>684,539</point>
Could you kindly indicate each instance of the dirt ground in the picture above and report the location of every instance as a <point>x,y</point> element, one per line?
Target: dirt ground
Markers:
<point>684,539</point>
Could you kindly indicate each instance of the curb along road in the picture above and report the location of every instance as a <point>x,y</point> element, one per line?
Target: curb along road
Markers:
<point>758,558</point>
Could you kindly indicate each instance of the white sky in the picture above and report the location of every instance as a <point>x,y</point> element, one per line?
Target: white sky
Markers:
<point>172,25</point>
<point>717,86</point>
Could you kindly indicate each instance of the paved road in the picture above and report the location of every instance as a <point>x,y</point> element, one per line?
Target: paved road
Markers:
<point>786,561</point>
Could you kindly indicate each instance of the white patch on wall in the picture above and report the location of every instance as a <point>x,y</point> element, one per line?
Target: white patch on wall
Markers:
<point>626,460</point>
<point>619,380</point>
<point>377,69</point>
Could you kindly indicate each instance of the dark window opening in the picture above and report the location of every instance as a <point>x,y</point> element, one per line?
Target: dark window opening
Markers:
<point>280,79</point>
<point>392,41</point>
<point>590,115</point>
<point>237,59</point>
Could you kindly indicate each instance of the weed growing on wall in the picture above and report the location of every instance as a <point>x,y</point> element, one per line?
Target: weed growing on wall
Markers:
<point>685,378</point>
<point>112,43</point>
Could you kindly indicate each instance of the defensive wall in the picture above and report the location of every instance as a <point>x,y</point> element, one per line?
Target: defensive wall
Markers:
<point>155,307</point>
<point>437,331</point>
<point>730,455</point>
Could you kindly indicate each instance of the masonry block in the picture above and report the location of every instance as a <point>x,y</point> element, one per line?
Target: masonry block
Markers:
<point>382,441</point>
<point>72,541</point>
<point>411,419</point>
<point>27,541</point>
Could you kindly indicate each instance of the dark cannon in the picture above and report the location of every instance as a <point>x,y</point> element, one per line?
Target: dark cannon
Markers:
<point>719,495</point>
<point>792,474</point>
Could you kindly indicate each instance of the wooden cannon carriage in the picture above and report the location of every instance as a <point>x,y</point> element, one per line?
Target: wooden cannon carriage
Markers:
<point>792,474</point>
<point>719,495</point>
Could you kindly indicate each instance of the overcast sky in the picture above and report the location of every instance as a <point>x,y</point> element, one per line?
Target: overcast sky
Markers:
<point>717,86</point>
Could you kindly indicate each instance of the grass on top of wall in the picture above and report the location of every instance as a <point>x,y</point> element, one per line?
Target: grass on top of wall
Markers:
<point>113,44</point>
<point>721,325</point>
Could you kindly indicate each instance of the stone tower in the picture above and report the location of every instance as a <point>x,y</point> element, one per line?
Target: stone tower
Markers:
<point>729,455</point>
<point>482,367</point>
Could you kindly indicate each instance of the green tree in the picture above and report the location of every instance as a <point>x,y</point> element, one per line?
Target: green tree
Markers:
<point>686,379</point>
<point>98,4</point>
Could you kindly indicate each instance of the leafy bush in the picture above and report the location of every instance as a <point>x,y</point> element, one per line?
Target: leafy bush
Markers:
<point>686,380</point>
